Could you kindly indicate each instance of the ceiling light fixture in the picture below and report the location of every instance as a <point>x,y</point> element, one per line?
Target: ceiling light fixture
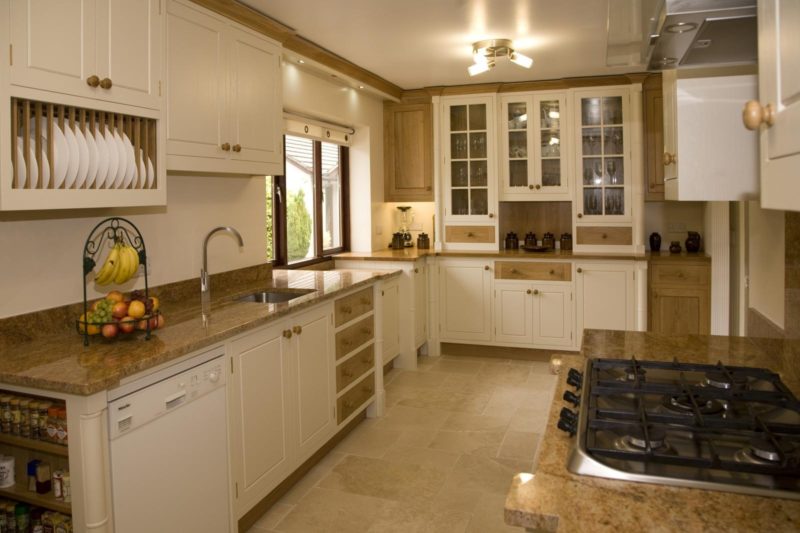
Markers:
<point>485,54</point>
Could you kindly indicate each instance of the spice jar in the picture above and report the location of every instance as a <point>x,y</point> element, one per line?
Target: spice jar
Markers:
<point>58,484</point>
<point>52,424</point>
<point>43,478</point>
<point>15,416</point>
<point>5,414</point>
<point>43,407</point>
<point>63,433</point>
<point>34,420</point>
<point>25,418</point>
<point>67,487</point>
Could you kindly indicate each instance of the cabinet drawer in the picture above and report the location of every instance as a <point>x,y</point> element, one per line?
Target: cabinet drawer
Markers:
<point>355,397</point>
<point>354,336</point>
<point>680,275</point>
<point>479,234</point>
<point>354,368</point>
<point>533,271</point>
<point>604,235</point>
<point>349,307</point>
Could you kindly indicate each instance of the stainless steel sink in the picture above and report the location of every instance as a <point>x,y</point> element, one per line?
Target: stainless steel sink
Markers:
<point>274,296</point>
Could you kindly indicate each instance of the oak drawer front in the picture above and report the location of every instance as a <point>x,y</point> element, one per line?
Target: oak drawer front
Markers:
<point>533,271</point>
<point>354,368</point>
<point>352,399</point>
<point>354,336</point>
<point>681,275</point>
<point>604,235</point>
<point>349,307</point>
<point>479,234</point>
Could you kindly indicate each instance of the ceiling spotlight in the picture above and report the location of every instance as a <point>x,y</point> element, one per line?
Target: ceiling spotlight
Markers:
<point>485,53</point>
<point>301,61</point>
<point>360,86</point>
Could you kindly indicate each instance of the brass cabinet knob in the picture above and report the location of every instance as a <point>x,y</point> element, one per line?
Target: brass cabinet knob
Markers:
<point>226,146</point>
<point>237,147</point>
<point>297,329</point>
<point>552,272</point>
<point>580,215</point>
<point>470,234</point>
<point>580,270</point>
<point>538,186</point>
<point>428,188</point>
<point>669,159</point>
<point>528,291</point>
<point>287,333</point>
<point>105,83</point>
<point>93,81</point>
<point>486,267</point>
<point>491,215</point>
<point>535,291</point>
<point>514,271</point>
<point>530,187</point>
<point>416,271</point>
<point>754,115</point>
<point>604,236</point>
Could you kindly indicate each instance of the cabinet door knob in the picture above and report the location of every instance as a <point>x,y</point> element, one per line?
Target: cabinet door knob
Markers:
<point>105,83</point>
<point>552,272</point>
<point>669,159</point>
<point>470,234</point>
<point>297,329</point>
<point>416,271</point>
<point>226,146</point>
<point>528,291</point>
<point>93,81</point>
<point>580,215</point>
<point>754,115</point>
<point>428,188</point>
<point>580,270</point>
<point>538,186</point>
<point>514,271</point>
<point>486,267</point>
<point>530,187</point>
<point>237,147</point>
<point>604,235</point>
<point>287,333</point>
<point>535,291</point>
<point>491,215</point>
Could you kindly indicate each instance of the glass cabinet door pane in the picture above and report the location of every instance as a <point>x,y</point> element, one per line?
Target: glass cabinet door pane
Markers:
<point>477,145</point>
<point>479,202</point>
<point>458,118</point>
<point>592,171</point>
<point>551,173</point>
<point>612,141</point>
<point>612,110</point>
<point>458,174</point>
<point>591,141</point>
<point>592,201</point>
<point>615,201</point>
<point>517,116</point>
<point>517,144</point>
<point>615,173</point>
<point>550,115</point>
<point>518,173</point>
<point>478,175</point>
<point>590,111</point>
<point>458,146</point>
<point>460,201</point>
<point>477,117</point>
<point>551,144</point>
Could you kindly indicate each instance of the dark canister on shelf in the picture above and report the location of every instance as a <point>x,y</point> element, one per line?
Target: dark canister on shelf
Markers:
<point>549,241</point>
<point>675,247</point>
<point>693,242</point>
<point>423,241</point>
<point>530,240</point>
<point>512,241</point>
<point>566,241</point>
<point>655,242</point>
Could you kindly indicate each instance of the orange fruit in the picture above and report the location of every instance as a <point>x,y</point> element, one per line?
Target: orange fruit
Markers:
<point>136,309</point>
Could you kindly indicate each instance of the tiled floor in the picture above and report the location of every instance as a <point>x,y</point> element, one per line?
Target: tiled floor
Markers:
<point>441,459</point>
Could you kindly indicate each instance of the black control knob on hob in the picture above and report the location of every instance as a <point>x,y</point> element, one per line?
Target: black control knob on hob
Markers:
<point>575,378</point>
<point>572,398</point>
<point>568,421</point>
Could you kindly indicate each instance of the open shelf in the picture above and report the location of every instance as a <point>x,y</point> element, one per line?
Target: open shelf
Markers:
<point>31,444</point>
<point>21,493</point>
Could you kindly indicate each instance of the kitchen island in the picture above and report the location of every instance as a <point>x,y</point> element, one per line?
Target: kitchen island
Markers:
<point>553,499</point>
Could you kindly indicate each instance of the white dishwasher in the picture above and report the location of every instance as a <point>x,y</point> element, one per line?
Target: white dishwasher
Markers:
<point>169,449</point>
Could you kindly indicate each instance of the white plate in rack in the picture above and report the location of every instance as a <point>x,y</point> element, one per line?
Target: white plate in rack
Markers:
<point>60,153</point>
<point>21,167</point>
<point>113,158</point>
<point>91,174</point>
<point>151,173</point>
<point>122,167</point>
<point>141,177</point>
<point>102,158</point>
<point>34,167</point>
<point>44,168</point>
<point>74,155</point>
<point>130,156</point>
<point>83,155</point>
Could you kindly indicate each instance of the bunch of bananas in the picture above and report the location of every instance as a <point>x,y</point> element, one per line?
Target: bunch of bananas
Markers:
<point>120,266</point>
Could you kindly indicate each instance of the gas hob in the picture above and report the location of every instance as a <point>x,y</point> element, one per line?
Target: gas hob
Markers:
<point>711,427</point>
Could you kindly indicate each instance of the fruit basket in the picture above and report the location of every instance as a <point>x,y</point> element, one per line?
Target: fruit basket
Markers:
<point>126,254</point>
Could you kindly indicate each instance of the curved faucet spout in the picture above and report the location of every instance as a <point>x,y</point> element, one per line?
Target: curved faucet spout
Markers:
<point>205,286</point>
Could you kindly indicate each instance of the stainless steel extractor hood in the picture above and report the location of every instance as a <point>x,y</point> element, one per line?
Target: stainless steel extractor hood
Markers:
<point>694,33</point>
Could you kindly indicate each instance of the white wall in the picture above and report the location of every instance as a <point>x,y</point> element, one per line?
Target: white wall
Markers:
<point>667,218</point>
<point>767,263</point>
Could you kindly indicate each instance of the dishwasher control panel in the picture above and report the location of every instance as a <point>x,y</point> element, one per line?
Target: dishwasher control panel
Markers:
<point>161,397</point>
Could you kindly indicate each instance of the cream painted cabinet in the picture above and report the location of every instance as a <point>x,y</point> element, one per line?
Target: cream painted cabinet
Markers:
<point>465,300</point>
<point>224,106</point>
<point>420,303</point>
<point>390,301</point>
<point>605,295</point>
<point>513,312</point>
<point>779,88</point>
<point>537,315</point>
<point>102,49</point>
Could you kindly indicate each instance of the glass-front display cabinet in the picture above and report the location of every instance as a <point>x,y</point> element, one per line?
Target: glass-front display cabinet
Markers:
<point>604,171</point>
<point>533,162</point>
<point>469,166</point>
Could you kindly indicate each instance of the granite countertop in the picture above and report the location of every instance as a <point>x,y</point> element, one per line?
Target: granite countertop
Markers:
<point>60,362</point>
<point>413,253</point>
<point>553,499</point>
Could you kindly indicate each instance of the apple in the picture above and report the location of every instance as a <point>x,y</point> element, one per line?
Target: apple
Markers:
<point>127,324</point>
<point>119,310</point>
<point>153,322</point>
<point>110,331</point>
<point>141,325</point>
<point>115,296</point>
<point>161,321</point>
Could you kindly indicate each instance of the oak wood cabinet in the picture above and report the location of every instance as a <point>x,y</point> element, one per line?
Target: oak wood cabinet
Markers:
<point>224,104</point>
<point>408,152</point>
<point>108,50</point>
<point>653,115</point>
<point>679,297</point>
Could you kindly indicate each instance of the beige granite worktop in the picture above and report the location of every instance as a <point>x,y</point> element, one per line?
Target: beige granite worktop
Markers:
<point>60,362</point>
<point>553,499</point>
<point>413,253</point>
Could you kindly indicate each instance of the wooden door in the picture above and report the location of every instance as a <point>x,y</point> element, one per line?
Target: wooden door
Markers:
<point>680,311</point>
<point>53,45</point>
<point>513,312</point>
<point>256,112</point>
<point>129,50</point>
<point>260,414</point>
<point>312,343</point>
<point>408,152</point>
<point>196,90</point>
<point>552,315</point>
<point>390,294</point>
<point>779,87</point>
<point>465,299</point>
<point>605,296</point>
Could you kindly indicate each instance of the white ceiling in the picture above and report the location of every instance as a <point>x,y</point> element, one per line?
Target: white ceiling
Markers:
<point>419,43</point>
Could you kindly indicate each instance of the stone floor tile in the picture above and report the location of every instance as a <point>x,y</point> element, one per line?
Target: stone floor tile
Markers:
<point>447,400</point>
<point>404,418</point>
<point>519,445</point>
<point>271,518</point>
<point>484,443</point>
<point>425,380</point>
<point>330,511</point>
<point>487,516</point>
<point>454,366</point>
<point>369,441</point>
<point>428,457</point>
<point>476,422</point>
<point>421,520</point>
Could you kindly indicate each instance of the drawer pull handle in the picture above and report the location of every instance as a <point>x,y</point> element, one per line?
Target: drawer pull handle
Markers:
<point>491,215</point>
<point>416,271</point>
<point>93,81</point>
<point>287,333</point>
<point>605,236</point>
<point>226,147</point>
<point>514,271</point>
<point>580,270</point>
<point>237,147</point>
<point>552,272</point>
<point>105,83</point>
<point>535,291</point>
<point>470,234</point>
<point>347,309</point>
<point>297,329</point>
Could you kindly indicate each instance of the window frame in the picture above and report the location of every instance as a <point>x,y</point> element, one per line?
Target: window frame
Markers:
<point>279,224</point>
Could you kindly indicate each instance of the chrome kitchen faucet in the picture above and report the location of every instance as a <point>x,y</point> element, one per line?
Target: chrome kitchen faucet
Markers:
<point>205,282</point>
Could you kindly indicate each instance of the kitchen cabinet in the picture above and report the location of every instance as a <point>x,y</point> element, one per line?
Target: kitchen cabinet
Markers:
<point>420,303</point>
<point>107,50</point>
<point>390,295</point>
<point>708,154</point>
<point>679,297</point>
<point>224,106</point>
<point>777,112</point>
<point>553,316</point>
<point>605,295</point>
<point>465,300</point>
<point>281,401</point>
<point>653,115</point>
<point>533,160</point>
<point>469,172</point>
<point>513,312</point>
<point>408,152</point>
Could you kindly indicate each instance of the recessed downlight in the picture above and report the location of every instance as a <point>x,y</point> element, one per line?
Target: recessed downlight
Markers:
<point>667,61</point>
<point>360,86</point>
<point>301,61</point>
<point>681,27</point>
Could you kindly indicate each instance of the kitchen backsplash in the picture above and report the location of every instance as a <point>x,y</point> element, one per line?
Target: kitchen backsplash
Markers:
<point>672,220</point>
<point>538,217</point>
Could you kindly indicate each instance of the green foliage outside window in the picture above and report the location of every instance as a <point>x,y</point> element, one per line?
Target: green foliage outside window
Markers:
<point>298,226</point>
